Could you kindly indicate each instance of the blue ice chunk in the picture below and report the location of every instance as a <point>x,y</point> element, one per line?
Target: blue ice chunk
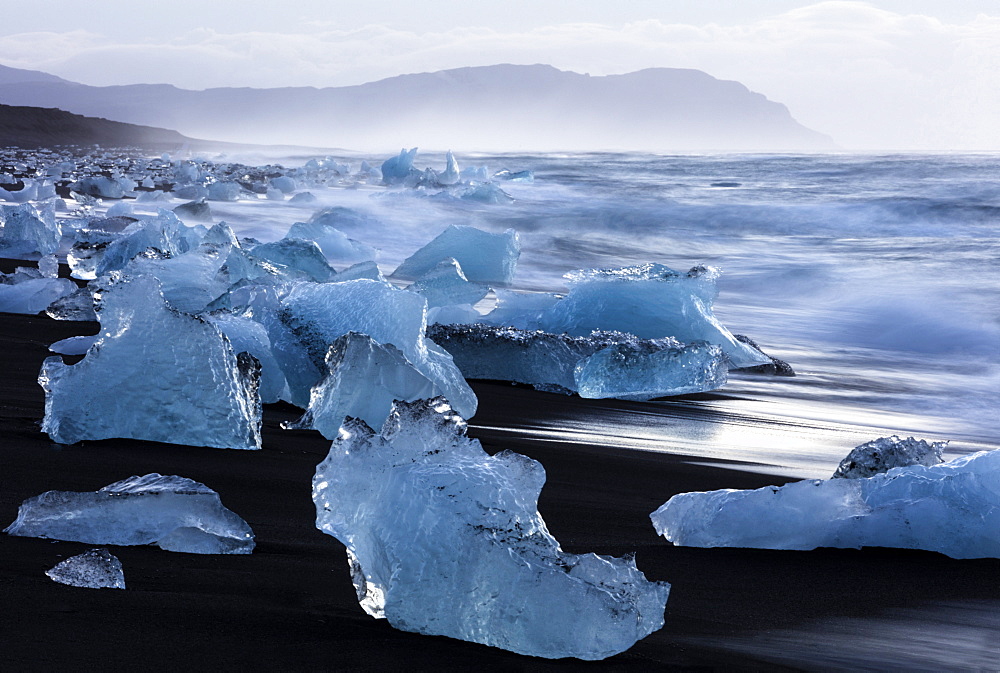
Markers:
<point>163,233</point>
<point>952,508</point>
<point>397,169</point>
<point>445,539</point>
<point>485,257</point>
<point>650,301</point>
<point>284,184</point>
<point>298,254</point>
<point>445,285</point>
<point>336,246</point>
<point>367,270</point>
<point>249,336</point>
<point>26,230</point>
<point>33,295</point>
<point>94,569</point>
<point>174,513</point>
<point>100,186</point>
<point>154,374</point>
<point>451,173</point>
<point>224,191</point>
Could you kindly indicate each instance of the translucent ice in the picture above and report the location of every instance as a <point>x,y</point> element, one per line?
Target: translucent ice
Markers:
<point>77,345</point>
<point>649,301</point>
<point>163,233</point>
<point>363,379</point>
<point>485,192</point>
<point>444,539</point>
<point>445,285</point>
<point>299,254</point>
<point>604,364</point>
<point>100,186</point>
<point>224,191</point>
<point>451,173</point>
<point>94,569</point>
<point>336,246</point>
<point>154,374</point>
<point>195,211</point>
<point>396,169</point>
<point>171,512</point>
<point>318,314</point>
<point>25,230</point>
<point>78,305</point>
<point>33,295</point>
<point>885,453</point>
<point>952,508</point>
<point>485,257</point>
<point>249,336</point>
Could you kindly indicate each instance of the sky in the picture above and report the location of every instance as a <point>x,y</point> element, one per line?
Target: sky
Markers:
<point>882,74</point>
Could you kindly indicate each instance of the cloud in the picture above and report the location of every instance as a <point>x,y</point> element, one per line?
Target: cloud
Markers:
<point>869,77</point>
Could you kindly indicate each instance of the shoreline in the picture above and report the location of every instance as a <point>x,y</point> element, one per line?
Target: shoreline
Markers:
<point>291,605</point>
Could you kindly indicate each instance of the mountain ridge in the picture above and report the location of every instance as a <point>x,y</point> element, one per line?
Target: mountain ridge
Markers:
<point>499,107</point>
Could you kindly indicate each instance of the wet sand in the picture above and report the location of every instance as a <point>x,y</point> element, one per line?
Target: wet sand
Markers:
<point>291,605</point>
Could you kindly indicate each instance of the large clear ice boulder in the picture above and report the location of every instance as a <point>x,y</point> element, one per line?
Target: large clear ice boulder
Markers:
<point>363,380</point>
<point>174,513</point>
<point>155,374</point>
<point>952,508</point>
<point>885,453</point>
<point>446,285</point>
<point>163,233</point>
<point>444,539</point>
<point>297,254</point>
<point>650,301</point>
<point>27,230</point>
<point>485,257</point>
<point>249,336</point>
<point>94,569</point>
<point>318,314</point>
<point>522,310</point>
<point>600,365</point>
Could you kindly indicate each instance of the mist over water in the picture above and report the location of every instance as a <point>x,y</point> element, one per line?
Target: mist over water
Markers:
<point>876,277</point>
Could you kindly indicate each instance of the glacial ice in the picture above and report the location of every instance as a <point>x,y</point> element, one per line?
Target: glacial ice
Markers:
<point>100,186</point>
<point>397,169</point>
<point>303,199</point>
<point>248,336</point>
<point>363,380</point>
<point>885,453</point>
<point>33,295</point>
<point>484,257</point>
<point>298,254</point>
<point>444,539</point>
<point>952,508</point>
<point>224,191</point>
<point>650,301</point>
<point>76,345</point>
<point>27,230</point>
<point>94,569</point>
<point>451,173</point>
<point>163,233</point>
<point>318,314</point>
<point>601,365</point>
<point>195,211</point>
<point>154,374</point>
<point>174,513</point>
<point>520,309</point>
<point>78,305</point>
<point>336,246</point>
<point>446,285</point>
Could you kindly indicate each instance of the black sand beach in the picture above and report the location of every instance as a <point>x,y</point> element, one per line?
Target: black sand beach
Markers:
<point>290,605</point>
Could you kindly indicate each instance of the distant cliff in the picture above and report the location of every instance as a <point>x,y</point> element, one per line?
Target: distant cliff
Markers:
<point>501,107</point>
<point>31,127</point>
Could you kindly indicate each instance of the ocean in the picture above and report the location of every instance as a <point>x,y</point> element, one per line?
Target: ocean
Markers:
<point>875,276</point>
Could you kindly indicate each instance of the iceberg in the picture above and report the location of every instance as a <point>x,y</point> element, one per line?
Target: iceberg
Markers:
<point>650,301</point>
<point>363,380</point>
<point>171,512</point>
<point>446,285</point>
<point>952,508</point>
<point>444,539</point>
<point>94,569</point>
<point>154,374</point>
<point>318,314</point>
<point>484,257</point>
<point>601,365</point>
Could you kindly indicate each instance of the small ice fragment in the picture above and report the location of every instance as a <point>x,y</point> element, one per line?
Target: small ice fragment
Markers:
<point>451,173</point>
<point>48,266</point>
<point>77,345</point>
<point>196,211</point>
<point>284,184</point>
<point>94,569</point>
<point>484,257</point>
<point>885,453</point>
<point>135,511</point>
<point>444,539</point>
<point>303,199</point>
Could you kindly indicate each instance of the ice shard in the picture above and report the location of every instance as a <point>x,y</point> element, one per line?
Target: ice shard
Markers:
<point>952,508</point>
<point>33,295</point>
<point>885,453</point>
<point>600,365</point>
<point>174,513</point>
<point>446,285</point>
<point>444,539</point>
<point>163,233</point>
<point>485,257</point>
<point>154,374</point>
<point>318,314</point>
<point>94,569</point>
<point>27,230</point>
<point>650,301</point>
<point>363,380</point>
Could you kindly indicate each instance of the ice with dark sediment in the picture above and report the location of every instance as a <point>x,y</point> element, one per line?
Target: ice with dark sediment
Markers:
<point>312,316</point>
<point>885,453</point>
<point>195,211</point>
<point>171,512</point>
<point>485,257</point>
<point>952,508</point>
<point>363,379</point>
<point>154,374</point>
<point>446,285</point>
<point>601,365</point>
<point>444,539</point>
<point>28,230</point>
<point>94,569</point>
<point>78,305</point>
<point>650,301</point>
<point>100,186</point>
